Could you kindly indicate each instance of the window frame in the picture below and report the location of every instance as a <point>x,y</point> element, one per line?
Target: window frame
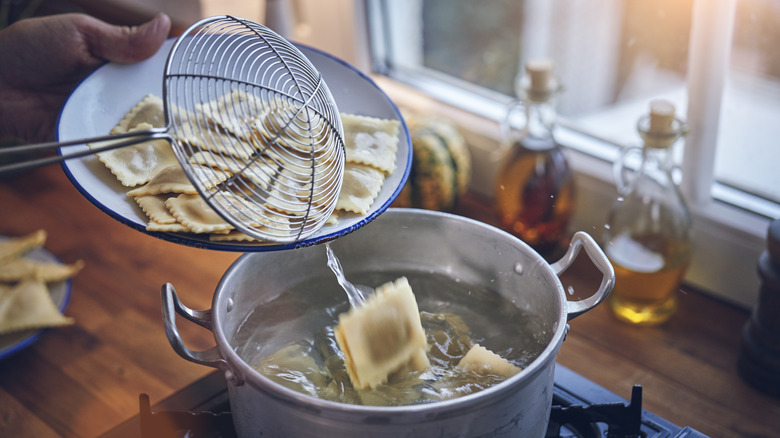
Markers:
<point>728,239</point>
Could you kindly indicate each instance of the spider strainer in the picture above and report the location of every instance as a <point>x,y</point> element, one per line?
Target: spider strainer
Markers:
<point>239,97</point>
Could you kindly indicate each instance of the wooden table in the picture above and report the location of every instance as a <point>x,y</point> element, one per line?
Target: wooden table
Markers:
<point>83,380</point>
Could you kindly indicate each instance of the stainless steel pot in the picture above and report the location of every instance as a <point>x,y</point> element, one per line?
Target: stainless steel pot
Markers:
<point>400,240</point>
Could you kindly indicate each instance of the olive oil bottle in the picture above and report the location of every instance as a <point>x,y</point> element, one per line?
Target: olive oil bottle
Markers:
<point>534,189</point>
<point>647,235</point>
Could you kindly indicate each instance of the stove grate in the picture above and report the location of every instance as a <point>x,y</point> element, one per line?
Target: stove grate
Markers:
<point>581,408</point>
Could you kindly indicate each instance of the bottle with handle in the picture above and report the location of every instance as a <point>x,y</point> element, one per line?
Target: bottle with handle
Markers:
<point>647,235</point>
<point>534,189</point>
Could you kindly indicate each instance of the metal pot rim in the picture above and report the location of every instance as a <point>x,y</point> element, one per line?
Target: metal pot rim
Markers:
<point>284,394</point>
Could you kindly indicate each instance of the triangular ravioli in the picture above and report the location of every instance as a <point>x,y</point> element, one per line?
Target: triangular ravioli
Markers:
<point>22,268</point>
<point>28,305</point>
<point>16,246</point>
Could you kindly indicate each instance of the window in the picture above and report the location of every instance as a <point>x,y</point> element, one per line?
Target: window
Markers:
<point>713,58</point>
<point>751,103</point>
<point>613,56</point>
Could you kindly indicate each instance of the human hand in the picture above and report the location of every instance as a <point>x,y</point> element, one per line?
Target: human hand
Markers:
<point>44,58</point>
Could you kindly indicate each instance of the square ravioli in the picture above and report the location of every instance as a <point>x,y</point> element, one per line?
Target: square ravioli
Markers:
<point>137,164</point>
<point>383,335</point>
<point>360,188</point>
<point>234,111</point>
<point>371,141</point>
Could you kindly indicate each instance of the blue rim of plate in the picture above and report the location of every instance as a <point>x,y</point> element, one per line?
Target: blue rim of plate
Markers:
<point>183,239</point>
<point>35,334</point>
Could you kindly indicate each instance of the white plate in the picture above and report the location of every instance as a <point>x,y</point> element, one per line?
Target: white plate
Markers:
<point>60,293</point>
<point>101,100</point>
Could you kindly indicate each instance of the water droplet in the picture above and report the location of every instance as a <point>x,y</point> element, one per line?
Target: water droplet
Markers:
<point>519,268</point>
<point>229,306</point>
<point>570,289</point>
<point>607,226</point>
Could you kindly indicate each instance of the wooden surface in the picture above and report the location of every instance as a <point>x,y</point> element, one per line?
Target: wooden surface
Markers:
<point>82,380</point>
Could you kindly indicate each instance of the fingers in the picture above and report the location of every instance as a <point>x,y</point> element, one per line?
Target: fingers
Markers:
<point>128,44</point>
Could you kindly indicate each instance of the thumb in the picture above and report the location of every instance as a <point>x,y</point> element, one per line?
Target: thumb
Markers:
<point>130,44</point>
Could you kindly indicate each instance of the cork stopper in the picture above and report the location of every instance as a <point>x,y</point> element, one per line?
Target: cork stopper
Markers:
<point>660,128</point>
<point>540,71</point>
<point>661,116</point>
<point>539,83</point>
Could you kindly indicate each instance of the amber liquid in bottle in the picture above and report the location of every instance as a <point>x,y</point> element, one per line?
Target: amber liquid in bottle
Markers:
<point>647,235</point>
<point>535,195</point>
<point>648,272</point>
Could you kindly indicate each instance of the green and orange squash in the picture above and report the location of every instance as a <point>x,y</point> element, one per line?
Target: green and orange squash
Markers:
<point>441,165</point>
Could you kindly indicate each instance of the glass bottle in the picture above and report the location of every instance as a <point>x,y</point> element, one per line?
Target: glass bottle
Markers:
<point>647,236</point>
<point>534,188</point>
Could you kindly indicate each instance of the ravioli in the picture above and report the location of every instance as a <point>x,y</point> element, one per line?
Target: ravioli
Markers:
<point>15,246</point>
<point>205,137</point>
<point>25,300</point>
<point>173,180</point>
<point>232,236</point>
<point>234,111</point>
<point>289,194</point>
<point>371,141</point>
<point>263,150</point>
<point>21,268</point>
<point>167,227</point>
<point>28,305</point>
<point>155,209</point>
<point>359,189</point>
<point>139,163</point>
<point>383,335</point>
<point>480,360</point>
<point>284,127</point>
<point>149,110</point>
<point>196,215</point>
<point>257,171</point>
<point>246,211</point>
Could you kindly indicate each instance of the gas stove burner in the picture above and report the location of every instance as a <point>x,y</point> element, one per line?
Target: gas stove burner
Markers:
<point>580,409</point>
<point>186,424</point>
<point>613,420</point>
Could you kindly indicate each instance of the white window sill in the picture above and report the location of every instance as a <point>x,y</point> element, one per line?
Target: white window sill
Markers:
<point>728,240</point>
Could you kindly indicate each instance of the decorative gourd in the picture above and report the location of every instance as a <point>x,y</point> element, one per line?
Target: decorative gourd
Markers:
<point>441,165</point>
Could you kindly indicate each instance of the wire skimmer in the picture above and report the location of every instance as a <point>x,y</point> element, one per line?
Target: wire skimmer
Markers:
<point>253,125</point>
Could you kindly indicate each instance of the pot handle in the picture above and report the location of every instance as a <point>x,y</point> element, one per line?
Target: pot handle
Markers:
<point>599,259</point>
<point>211,357</point>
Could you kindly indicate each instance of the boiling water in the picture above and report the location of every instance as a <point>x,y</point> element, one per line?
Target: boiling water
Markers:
<point>290,339</point>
